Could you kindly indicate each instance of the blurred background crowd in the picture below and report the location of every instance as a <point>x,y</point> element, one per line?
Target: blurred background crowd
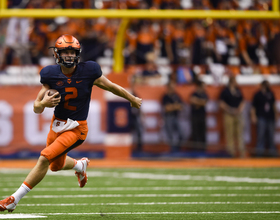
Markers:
<point>233,43</point>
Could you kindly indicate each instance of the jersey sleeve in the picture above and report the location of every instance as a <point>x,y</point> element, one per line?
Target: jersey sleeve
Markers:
<point>44,79</point>
<point>94,69</point>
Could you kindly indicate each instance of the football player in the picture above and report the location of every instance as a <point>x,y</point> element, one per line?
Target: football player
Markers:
<point>73,80</point>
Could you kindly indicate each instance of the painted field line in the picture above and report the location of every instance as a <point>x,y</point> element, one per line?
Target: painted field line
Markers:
<point>161,213</point>
<point>153,203</point>
<point>154,176</point>
<point>149,195</point>
<point>198,188</point>
<point>20,216</point>
<point>51,189</point>
<point>44,183</point>
<point>14,170</point>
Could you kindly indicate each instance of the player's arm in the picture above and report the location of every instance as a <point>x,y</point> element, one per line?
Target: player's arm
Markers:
<point>43,100</point>
<point>104,83</point>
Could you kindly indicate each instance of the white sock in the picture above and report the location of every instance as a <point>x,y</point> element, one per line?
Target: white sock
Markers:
<point>21,192</point>
<point>79,166</point>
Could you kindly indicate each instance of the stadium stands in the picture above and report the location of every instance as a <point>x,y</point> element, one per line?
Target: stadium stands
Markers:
<point>243,46</point>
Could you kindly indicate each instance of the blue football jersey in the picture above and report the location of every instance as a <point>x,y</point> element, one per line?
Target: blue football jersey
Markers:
<point>75,91</point>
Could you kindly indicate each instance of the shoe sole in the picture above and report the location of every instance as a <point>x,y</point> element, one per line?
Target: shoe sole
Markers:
<point>9,210</point>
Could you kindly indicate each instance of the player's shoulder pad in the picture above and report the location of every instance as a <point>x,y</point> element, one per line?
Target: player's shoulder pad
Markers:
<point>93,68</point>
<point>91,65</point>
<point>47,71</point>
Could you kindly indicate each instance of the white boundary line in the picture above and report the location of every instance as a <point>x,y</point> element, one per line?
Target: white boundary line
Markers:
<point>43,215</point>
<point>153,203</point>
<point>20,216</point>
<point>149,195</point>
<point>146,188</point>
<point>156,176</point>
<point>161,213</point>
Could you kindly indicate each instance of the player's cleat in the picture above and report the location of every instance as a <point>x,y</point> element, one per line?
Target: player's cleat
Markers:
<point>82,176</point>
<point>8,204</point>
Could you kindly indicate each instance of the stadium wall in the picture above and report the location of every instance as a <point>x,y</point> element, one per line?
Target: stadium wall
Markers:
<point>23,133</point>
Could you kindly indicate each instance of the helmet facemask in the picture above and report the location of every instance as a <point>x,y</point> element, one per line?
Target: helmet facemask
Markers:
<point>67,61</point>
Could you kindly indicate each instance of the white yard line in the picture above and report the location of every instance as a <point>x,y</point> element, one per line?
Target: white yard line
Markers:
<point>156,188</point>
<point>149,195</point>
<point>20,216</point>
<point>161,213</point>
<point>152,203</point>
<point>153,176</point>
<point>44,215</point>
<point>18,182</point>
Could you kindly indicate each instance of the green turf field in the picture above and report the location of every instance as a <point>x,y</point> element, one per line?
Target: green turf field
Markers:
<point>149,194</point>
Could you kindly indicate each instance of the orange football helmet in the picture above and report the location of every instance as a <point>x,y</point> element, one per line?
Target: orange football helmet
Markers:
<point>66,42</point>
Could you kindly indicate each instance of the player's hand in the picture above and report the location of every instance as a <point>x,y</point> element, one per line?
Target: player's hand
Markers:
<point>137,102</point>
<point>50,101</point>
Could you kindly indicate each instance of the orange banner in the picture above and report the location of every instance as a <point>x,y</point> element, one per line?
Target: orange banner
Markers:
<point>21,130</point>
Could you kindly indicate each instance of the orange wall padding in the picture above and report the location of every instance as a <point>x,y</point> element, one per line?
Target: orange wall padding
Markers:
<point>18,96</point>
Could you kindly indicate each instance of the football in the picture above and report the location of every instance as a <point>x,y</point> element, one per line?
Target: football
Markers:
<point>50,92</point>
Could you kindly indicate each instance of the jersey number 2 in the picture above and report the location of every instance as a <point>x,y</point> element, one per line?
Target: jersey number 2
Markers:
<point>74,95</point>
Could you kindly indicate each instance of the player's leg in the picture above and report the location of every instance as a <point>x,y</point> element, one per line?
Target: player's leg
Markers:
<point>54,155</point>
<point>69,140</point>
<point>71,163</point>
<point>67,163</point>
<point>32,179</point>
<point>38,172</point>
<point>80,167</point>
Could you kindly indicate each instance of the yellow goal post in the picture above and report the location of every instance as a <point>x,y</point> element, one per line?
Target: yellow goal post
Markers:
<point>125,15</point>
